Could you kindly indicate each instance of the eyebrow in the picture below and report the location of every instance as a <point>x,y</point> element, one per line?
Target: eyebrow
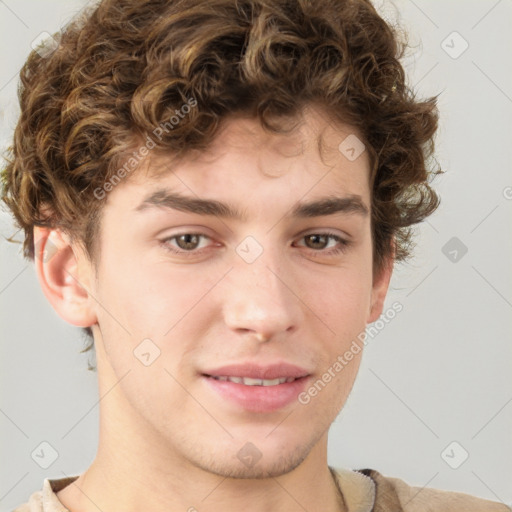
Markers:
<point>330,205</point>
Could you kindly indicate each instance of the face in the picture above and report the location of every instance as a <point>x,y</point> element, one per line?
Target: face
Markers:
<point>224,275</point>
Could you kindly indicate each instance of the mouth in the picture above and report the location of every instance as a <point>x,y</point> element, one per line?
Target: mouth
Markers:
<point>256,388</point>
<point>248,381</point>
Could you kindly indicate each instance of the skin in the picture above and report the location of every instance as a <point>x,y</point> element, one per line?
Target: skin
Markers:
<point>167,441</point>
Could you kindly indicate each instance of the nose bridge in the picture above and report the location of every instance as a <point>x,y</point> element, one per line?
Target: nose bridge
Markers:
<point>258,298</point>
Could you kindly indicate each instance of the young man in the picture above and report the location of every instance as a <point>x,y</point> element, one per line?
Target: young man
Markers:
<point>217,193</point>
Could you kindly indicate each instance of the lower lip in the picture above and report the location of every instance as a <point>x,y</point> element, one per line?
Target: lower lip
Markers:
<point>258,398</point>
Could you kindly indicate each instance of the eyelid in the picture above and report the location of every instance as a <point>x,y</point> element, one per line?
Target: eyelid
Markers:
<point>326,231</point>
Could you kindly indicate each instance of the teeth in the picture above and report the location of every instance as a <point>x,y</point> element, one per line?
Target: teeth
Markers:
<point>247,381</point>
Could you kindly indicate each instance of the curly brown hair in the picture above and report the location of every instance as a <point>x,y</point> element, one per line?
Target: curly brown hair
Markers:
<point>127,67</point>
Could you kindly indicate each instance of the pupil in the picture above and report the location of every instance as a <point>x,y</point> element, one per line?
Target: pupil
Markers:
<point>187,241</point>
<point>317,239</point>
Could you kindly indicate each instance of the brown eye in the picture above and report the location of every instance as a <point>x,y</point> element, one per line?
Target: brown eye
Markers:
<point>317,241</point>
<point>182,243</point>
<point>188,242</point>
<point>327,244</point>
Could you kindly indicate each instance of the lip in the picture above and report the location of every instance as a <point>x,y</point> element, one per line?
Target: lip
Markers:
<point>258,398</point>
<point>256,371</point>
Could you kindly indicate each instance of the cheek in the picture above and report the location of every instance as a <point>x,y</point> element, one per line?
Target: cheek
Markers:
<point>328,393</point>
<point>341,299</point>
<point>153,299</point>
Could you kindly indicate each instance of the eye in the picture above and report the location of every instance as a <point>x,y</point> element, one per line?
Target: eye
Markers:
<point>194,243</point>
<point>327,243</point>
<point>185,242</point>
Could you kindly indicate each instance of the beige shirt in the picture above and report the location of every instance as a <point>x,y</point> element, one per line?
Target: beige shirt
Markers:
<point>363,491</point>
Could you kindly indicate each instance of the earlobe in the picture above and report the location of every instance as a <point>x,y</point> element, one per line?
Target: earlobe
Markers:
<point>64,279</point>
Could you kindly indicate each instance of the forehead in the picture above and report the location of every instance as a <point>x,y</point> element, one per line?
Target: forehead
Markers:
<point>314,156</point>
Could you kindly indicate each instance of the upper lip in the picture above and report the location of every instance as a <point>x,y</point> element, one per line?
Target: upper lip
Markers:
<point>258,371</point>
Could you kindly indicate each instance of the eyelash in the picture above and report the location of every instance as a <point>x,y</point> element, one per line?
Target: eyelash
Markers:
<point>341,248</point>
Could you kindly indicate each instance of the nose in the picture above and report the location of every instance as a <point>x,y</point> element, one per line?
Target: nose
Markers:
<point>260,299</point>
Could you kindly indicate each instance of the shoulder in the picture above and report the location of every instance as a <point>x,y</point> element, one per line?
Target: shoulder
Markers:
<point>34,504</point>
<point>393,494</point>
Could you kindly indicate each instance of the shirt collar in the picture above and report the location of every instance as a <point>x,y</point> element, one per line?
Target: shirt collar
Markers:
<point>50,489</point>
<point>358,490</point>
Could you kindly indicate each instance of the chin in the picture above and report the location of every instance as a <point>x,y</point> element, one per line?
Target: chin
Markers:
<point>261,469</point>
<point>253,460</point>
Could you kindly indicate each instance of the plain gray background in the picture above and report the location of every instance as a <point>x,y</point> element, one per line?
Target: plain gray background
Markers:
<point>439,373</point>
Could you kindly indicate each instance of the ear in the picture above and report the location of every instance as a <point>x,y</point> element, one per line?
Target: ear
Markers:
<point>380,287</point>
<point>65,275</point>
